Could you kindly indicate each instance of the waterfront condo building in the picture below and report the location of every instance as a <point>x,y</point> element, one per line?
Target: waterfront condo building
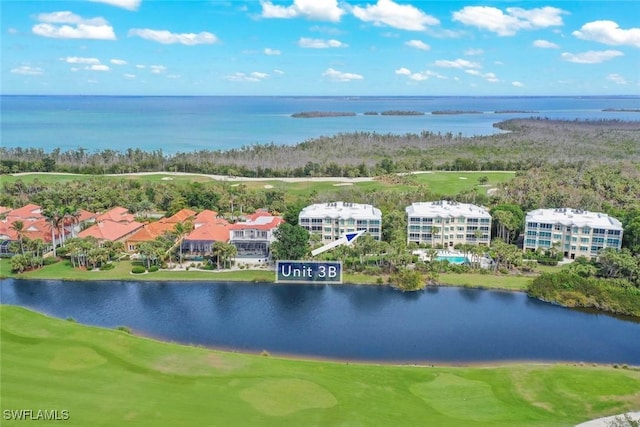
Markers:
<point>445,224</point>
<point>332,220</point>
<point>574,232</point>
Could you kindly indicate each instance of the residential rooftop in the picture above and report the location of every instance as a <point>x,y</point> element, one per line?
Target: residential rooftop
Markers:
<point>341,210</point>
<point>577,217</point>
<point>446,209</point>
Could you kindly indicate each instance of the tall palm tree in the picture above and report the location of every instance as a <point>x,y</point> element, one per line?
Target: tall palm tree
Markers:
<point>51,214</point>
<point>18,227</point>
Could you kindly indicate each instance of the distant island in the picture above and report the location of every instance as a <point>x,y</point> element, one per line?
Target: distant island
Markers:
<point>622,110</point>
<point>370,113</point>
<point>515,111</point>
<point>456,112</point>
<point>314,114</point>
<point>402,113</point>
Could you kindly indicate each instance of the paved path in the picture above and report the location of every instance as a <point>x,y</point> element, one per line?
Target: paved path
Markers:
<point>611,421</point>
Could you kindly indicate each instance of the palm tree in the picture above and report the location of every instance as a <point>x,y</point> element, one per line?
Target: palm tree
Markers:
<point>51,214</point>
<point>18,227</point>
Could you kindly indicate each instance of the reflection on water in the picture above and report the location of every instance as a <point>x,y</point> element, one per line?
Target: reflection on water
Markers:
<point>341,321</point>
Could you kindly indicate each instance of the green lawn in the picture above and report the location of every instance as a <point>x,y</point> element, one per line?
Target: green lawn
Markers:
<point>444,183</point>
<point>63,271</point>
<point>489,281</point>
<point>106,377</point>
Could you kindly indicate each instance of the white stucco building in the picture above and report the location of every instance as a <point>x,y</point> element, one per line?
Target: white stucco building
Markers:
<point>332,220</point>
<point>448,223</point>
<point>576,232</point>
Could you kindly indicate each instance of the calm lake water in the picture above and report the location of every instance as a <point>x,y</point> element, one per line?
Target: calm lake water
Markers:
<point>370,323</point>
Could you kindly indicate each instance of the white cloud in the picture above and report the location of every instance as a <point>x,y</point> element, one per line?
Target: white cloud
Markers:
<point>279,72</point>
<point>140,66</point>
<point>418,76</point>
<point>157,69</point>
<point>68,25</point>
<point>27,70</point>
<point>545,44</point>
<point>129,76</point>
<point>116,61</point>
<point>269,51</point>
<point>617,78</point>
<point>340,76</point>
<point>473,52</point>
<point>490,77</point>
<point>316,10</point>
<point>125,4</point>
<point>97,67</point>
<point>608,32</point>
<point>458,63</point>
<point>167,37</point>
<point>418,44</point>
<point>67,17</point>
<point>244,77</point>
<point>591,57</point>
<point>517,84</point>
<point>320,43</point>
<point>80,60</point>
<point>402,17</point>
<point>509,23</point>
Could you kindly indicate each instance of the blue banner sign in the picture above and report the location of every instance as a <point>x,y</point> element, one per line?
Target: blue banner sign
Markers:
<point>309,272</point>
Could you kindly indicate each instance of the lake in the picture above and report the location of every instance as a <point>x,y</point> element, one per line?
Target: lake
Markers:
<point>346,322</point>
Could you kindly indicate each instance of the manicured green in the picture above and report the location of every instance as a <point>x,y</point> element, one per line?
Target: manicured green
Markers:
<point>444,183</point>
<point>62,270</point>
<point>107,377</point>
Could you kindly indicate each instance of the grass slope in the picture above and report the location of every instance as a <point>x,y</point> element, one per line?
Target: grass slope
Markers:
<point>107,377</point>
<point>63,271</point>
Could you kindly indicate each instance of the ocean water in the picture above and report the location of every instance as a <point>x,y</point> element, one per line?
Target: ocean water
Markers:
<point>185,124</point>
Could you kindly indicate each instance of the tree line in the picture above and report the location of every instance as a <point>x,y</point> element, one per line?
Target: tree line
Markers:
<point>524,144</point>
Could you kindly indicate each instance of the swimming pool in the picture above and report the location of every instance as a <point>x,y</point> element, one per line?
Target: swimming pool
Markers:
<point>453,259</point>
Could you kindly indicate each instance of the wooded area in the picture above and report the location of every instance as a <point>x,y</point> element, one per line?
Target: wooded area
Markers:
<point>524,144</point>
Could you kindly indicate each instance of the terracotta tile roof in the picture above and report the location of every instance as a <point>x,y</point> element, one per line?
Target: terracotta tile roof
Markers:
<point>259,222</point>
<point>29,212</point>
<point>117,214</point>
<point>213,231</point>
<point>150,231</point>
<point>32,230</point>
<point>4,210</point>
<point>39,230</point>
<point>180,216</point>
<point>206,216</point>
<point>110,230</point>
<point>86,215</point>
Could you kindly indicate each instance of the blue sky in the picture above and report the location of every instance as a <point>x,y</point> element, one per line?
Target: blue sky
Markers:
<point>320,47</point>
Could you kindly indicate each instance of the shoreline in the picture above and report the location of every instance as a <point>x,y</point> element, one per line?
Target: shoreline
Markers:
<point>145,277</point>
<point>416,364</point>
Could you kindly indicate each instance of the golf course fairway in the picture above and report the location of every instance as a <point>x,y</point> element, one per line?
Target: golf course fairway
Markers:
<point>104,377</point>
